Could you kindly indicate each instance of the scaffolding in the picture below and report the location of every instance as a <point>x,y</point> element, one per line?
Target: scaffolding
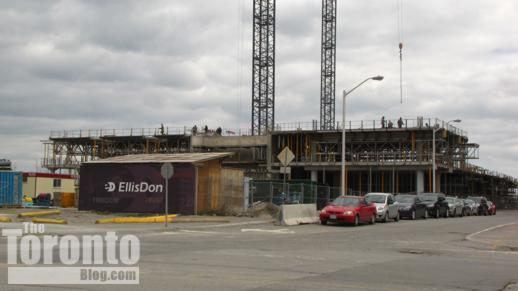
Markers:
<point>378,157</point>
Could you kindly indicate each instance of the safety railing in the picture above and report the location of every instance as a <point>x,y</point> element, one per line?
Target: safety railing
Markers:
<point>151,132</point>
<point>486,172</point>
<point>396,123</point>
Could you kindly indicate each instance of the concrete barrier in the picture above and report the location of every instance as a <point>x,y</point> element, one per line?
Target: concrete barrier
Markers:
<point>295,214</point>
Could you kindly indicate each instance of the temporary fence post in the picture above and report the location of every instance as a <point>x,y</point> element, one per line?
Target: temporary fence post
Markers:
<point>271,192</point>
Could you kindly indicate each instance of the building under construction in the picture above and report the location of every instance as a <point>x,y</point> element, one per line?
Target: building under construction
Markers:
<point>381,158</point>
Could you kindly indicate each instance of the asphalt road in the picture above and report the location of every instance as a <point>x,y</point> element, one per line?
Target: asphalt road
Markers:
<point>433,254</point>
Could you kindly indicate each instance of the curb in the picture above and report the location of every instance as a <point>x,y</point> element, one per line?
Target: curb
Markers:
<point>39,213</point>
<point>49,220</point>
<point>471,238</point>
<point>5,219</point>
<point>151,219</point>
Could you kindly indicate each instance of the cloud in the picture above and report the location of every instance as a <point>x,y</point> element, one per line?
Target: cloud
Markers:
<point>120,64</point>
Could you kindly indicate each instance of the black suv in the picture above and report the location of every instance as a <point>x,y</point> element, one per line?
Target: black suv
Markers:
<point>435,204</point>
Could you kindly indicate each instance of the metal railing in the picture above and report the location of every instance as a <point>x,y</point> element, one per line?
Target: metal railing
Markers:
<point>151,132</point>
<point>486,172</point>
<point>417,123</point>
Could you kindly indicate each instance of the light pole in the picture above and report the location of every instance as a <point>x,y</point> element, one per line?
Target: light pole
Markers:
<point>345,93</point>
<point>436,128</point>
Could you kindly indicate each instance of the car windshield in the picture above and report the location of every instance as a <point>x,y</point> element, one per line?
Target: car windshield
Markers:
<point>476,199</point>
<point>405,199</point>
<point>450,199</point>
<point>467,201</point>
<point>375,198</point>
<point>429,197</point>
<point>346,201</point>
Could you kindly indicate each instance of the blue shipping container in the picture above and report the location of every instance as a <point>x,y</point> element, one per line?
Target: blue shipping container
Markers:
<point>11,188</point>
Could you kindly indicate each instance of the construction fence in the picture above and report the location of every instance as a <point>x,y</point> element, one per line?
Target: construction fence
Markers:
<point>279,193</point>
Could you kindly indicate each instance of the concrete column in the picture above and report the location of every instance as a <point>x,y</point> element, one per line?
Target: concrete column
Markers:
<point>438,182</point>
<point>419,181</point>
<point>314,176</point>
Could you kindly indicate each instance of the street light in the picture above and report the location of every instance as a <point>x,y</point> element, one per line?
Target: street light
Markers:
<point>345,93</point>
<point>435,130</point>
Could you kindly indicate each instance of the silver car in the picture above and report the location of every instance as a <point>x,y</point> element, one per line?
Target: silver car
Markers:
<point>473,206</point>
<point>454,205</point>
<point>386,206</point>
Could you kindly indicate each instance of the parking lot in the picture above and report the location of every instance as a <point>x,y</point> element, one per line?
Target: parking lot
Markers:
<point>470,253</point>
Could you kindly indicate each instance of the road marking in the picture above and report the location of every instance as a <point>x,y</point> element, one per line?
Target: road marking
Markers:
<point>235,224</point>
<point>281,231</point>
<point>199,231</point>
<point>470,237</point>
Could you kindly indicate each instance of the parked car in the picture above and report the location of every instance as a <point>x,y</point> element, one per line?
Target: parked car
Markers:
<point>411,206</point>
<point>436,204</point>
<point>349,209</point>
<point>491,208</point>
<point>470,207</point>
<point>482,208</point>
<point>454,206</point>
<point>386,206</point>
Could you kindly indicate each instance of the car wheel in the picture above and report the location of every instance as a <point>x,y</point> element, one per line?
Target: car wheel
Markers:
<point>386,218</point>
<point>454,213</point>
<point>425,216</point>
<point>323,222</point>
<point>373,219</point>
<point>447,214</point>
<point>397,217</point>
<point>356,220</point>
<point>437,214</point>
<point>412,215</point>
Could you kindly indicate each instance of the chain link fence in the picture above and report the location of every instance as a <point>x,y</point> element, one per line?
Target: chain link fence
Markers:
<point>293,193</point>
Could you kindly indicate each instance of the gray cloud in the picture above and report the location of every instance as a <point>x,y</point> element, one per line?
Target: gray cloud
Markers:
<point>120,64</point>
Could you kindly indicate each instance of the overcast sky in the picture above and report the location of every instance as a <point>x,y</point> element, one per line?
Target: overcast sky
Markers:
<point>122,64</point>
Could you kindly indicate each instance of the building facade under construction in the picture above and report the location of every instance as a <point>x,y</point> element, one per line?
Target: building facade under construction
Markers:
<point>391,156</point>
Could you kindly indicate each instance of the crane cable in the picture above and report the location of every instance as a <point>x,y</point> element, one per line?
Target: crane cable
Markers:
<point>400,32</point>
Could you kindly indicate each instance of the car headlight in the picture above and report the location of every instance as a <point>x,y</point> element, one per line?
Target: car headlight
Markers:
<point>348,213</point>
<point>381,208</point>
<point>323,211</point>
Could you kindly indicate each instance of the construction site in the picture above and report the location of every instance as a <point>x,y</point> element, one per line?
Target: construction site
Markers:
<point>394,155</point>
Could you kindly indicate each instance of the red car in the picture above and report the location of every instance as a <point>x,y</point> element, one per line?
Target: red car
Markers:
<point>349,209</point>
<point>491,208</point>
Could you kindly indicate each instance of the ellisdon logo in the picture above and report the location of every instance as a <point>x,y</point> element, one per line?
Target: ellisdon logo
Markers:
<point>141,187</point>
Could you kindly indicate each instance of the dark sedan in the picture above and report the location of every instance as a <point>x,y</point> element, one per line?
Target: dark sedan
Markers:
<point>411,206</point>
<point>435,204</point>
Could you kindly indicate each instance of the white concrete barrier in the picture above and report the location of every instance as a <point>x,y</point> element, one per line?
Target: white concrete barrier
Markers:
<point>295,214</point>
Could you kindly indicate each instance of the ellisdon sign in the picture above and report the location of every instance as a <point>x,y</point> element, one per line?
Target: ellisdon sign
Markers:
<point>132,187</point>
